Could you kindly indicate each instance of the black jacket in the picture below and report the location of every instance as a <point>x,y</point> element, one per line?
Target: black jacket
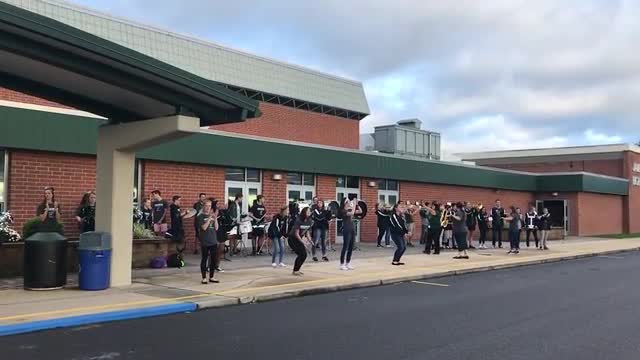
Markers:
<point>498,217</point>
<point>320,218</point>
<point>384,219</point>
<point>398,225</point>
<point>279,227</point>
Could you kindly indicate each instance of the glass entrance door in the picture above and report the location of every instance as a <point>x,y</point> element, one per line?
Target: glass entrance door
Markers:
<point>559,210</point>
<point>387,197</point>
<point>249,191</point>
<point>341,194</point>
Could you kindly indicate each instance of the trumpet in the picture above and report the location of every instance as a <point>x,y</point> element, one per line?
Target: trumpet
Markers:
<point>479,206</point>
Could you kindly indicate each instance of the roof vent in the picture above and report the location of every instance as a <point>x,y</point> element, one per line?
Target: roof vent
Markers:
<point>412,123</point>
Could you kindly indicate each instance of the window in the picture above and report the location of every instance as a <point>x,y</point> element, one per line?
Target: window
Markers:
<point>387,185</point>
<point>301,186</point>
<point>388,191</point>
<point>137,183</point>
<point>4,169</point>
<point>352,182</point>
<point>242,174</point>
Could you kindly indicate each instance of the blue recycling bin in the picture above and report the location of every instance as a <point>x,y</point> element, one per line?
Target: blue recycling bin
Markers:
<point>94,257</point>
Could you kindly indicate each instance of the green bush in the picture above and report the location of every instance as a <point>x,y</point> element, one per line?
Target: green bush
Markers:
<point>35,225</point>
<point>140,232</point>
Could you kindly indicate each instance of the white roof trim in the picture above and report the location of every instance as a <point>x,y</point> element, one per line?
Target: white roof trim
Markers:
<point>51,109</point>
<point>525,153</point>
<point>373,153</point>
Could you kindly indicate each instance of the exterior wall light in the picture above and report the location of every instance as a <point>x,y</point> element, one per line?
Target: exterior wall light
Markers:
<point>277,177</point>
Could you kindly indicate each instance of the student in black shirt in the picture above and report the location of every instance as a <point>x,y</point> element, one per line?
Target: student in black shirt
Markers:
<point>398,232</point>
<point>198,207</point>
<point>300,229</point>
<point>348,209</point>
<point>384,223</point>
<point>177,229</point>
<point>49,211</point>
<point>472,219</point>
<point>497,223</point>
<point>257,214</point>
<point>159,207</point>
<point>208,227</point>
<point>483,226</point>
<point>278,230</point>
<point>545,226</point>
<point>459,219</point>
<point>86,213</point>
<point>146,214</point>
<point>320,217</point>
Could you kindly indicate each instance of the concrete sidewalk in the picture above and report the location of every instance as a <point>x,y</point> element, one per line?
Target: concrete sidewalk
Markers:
<point>252,279</point>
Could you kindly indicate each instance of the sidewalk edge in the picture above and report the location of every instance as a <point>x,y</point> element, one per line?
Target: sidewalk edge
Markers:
<point>72,321</point>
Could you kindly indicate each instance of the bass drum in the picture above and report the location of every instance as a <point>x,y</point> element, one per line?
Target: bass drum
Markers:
<point>225,221</point>
<point>333,208</point>
<point>363,207</point>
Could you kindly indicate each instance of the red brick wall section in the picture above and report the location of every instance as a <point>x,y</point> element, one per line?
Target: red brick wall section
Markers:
<point>632,202</point>
<point>10,95</point>
<point>275,192</point>
<point>31,172</point>
<point>281,122</point>
<point>599,214</point>
<point>368,227</point>
<point>326,191</point>
<point>185,180</point>
<point>605,167</point>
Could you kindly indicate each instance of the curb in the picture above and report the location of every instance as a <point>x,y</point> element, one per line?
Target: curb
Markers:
<point>72,321</point>
<point>406,278</point>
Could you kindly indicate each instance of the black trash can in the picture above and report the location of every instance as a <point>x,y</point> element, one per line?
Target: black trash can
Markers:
<point>45,261</point>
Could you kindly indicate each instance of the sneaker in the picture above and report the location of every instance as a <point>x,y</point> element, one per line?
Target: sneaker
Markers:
<point>517,252</point>
<point>464,257</point>
<point>379,246</point>
<point>274,265</point>
<point>350,267</point>
<point>219,269</point>
<point>205,281</point>
<point>426,252</point>
<point>324,258</point>
<point>510,252</point>
<point>343,267</point>
<point>472,247</point>
<point>395,263</point>
<point>214,281</point>
<point>282,265</point>
<point>546,248</point>
<point>388,246</point>
<point>296,273</point>
<point>315,259</point>
<point>410,244</point>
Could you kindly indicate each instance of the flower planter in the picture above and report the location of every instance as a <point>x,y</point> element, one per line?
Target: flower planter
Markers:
<point>12,255</point>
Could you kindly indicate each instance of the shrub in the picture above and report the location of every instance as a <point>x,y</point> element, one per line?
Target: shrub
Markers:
<point>35,225</point>
<point>140,232</point>
<point>7,232</point>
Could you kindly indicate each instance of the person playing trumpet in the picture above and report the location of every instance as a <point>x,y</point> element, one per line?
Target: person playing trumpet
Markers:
<point>434,214</point>
<point>208,226</point>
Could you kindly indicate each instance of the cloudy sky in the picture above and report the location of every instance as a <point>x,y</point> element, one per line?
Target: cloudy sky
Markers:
<point>486,74</point>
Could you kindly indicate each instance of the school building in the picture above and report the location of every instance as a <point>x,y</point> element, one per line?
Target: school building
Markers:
<point>304,144</point>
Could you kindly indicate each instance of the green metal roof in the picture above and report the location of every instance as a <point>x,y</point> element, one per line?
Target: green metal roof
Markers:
<point>52,60</point>
<point>211,61</point>
<point>38,130</point>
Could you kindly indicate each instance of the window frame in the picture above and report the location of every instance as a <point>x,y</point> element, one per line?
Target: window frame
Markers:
<point>302,188</point>
<point>4,205</point>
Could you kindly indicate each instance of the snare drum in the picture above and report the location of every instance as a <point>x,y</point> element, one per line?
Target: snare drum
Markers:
<point>246,227</point>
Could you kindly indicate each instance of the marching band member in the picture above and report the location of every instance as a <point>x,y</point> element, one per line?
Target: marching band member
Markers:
<point>424,220</point>
<point>459,219</point>
<point>472,218</point>
<point>515,226</point>
<point>257,214</point>
<point>384,223</point>
<point>278,230</point>
<point>532,225</point>
<point>434,215</point>
<point>198,205</point>
<point>320,217</point>
<point>447,237</point>
<point>235,211</point>
<point>146,214</point>
<point>409,216</point>
<point>545,226</point>
<point>299,230</point>
<point>497,223</point>
<point>483,226</point>
<point>208,225</point>
<point>398,232</point>
<point>49,211</point>
<point>348,209</point>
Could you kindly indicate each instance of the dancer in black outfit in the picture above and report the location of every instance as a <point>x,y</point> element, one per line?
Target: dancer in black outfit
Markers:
<point>384,222</point>
<point>299,230</point>
<point>532,225</point>
<point>398,232</point>
<point>497,223</point>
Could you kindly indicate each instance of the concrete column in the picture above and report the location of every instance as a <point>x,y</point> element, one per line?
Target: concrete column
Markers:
<point>116,148</point>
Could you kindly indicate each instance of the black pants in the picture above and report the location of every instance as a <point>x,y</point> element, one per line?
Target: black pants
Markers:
<point>298,247</point>
<point>209,254</point>
<point>401,246</point>
<point>424,234</point>
<point>497,235</point>
<point>461,240</point>
<point>483,235</point>
<point>535,236</point>
<point>433,240</point>
<point>383,231</point>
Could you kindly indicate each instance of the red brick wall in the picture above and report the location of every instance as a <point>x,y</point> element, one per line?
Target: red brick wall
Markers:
<point>599,214</point>
<point>631,202</point>
<point>611,167</point>
<point>275,192</point>
<point>185,180</point>
<point>10,95</point>
<point>287,123</point>
<point>31,172</point>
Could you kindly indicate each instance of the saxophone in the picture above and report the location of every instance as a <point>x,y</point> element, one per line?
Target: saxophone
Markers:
<point>444,218</point>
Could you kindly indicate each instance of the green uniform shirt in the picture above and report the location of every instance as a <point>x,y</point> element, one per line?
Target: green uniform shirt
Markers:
<point>434,220</point>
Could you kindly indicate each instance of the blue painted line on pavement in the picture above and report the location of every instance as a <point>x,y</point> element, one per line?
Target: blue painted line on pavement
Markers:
<point>79,320</point>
